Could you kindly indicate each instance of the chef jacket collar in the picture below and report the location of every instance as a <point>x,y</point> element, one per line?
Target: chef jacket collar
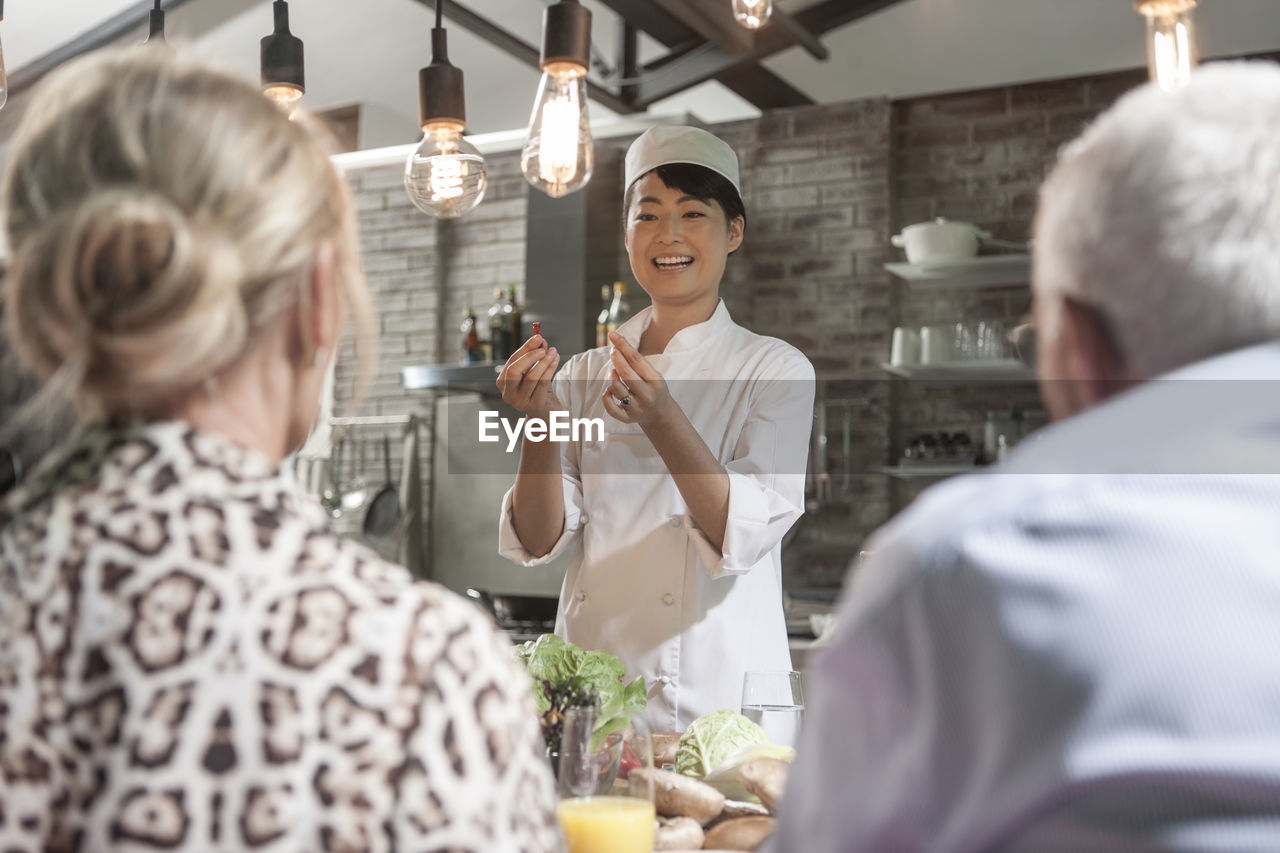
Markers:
<point>688,338</point>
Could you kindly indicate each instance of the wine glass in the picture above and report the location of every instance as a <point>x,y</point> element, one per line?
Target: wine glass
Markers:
<point>775,702</point>
<point>603,809</point>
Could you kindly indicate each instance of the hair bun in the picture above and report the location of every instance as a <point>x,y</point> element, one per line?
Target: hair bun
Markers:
<point>135,295</point>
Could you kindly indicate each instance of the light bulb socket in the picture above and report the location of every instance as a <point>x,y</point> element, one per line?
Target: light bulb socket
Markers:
<point>566,34</point>
<point>282,53</point>
<point>1164,8</point>
<point>157,25</point>
<point>441,96</point>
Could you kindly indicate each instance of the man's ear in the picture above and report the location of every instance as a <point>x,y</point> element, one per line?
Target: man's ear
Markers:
<point>1094,362</point>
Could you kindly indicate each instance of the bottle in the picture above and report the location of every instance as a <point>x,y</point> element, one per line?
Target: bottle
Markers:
<point>514,315</point>
<point>471,351</point>
<point>619,308</point>
<point>602,319</point>
<point>499,340</point>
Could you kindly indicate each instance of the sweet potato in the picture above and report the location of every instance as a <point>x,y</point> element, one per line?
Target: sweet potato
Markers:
<point>766,778</point>
<point>677,833</point>
<point>741,833</point>
<point>676,795</point>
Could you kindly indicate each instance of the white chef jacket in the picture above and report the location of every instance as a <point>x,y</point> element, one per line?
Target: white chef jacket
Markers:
<point>644,583</point>
<point>1077,652</point>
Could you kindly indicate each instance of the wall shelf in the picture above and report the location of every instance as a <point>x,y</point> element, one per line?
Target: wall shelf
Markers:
<point>480,377</point>
<point>984,271</point>
<point>1001,369</point>
<point>925,471</point>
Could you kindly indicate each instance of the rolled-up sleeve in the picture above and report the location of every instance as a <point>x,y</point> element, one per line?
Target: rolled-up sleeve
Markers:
<point>509,544</point>
<point>766,475</point>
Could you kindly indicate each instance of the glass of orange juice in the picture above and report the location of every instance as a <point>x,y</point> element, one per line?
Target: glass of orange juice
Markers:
<point>601,811</point>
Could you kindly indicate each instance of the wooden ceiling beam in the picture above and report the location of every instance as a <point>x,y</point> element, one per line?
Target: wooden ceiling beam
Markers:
<point>691,64</point>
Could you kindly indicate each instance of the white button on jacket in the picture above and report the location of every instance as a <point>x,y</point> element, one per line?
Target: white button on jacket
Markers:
<point>750,397</point>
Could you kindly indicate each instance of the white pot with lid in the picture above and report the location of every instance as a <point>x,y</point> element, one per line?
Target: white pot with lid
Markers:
<point>940,241</point>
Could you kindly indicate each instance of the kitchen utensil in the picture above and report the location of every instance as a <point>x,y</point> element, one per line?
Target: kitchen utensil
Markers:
<point>354,490</point>
<point>937,343</point>
<point>991,343</point>
<point>905,348</point>
<point>1011,245</point>
<point>511,610</point>
<point>846,454</point>
<point>384,510</point>
<point>331,495</point>
<point>939,242</point>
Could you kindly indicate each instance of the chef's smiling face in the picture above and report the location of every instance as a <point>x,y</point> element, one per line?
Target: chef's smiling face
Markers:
<point>678,244</point>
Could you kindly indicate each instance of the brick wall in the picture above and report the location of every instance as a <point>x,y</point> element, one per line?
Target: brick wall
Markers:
<point>817,184</point>
<point>825,188</point>
<point>978,157</point>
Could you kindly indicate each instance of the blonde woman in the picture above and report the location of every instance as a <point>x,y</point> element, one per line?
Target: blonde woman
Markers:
<point>189,657</point>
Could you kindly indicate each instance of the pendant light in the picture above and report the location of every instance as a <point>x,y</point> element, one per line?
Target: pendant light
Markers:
<point>1171,40</point>
<point>4,77</point>
<point>752,14</point>
<point>282,76</point>
<point>157,26</point>
<point>558,153</point>
<point>445,176</point>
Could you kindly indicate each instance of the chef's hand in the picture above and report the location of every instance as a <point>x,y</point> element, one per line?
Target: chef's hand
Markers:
<point>636,393</point>
<point>525,380</point>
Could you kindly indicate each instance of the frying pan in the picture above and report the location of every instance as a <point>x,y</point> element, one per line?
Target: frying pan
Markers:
<point>384,510</point>
<point>510,609</point>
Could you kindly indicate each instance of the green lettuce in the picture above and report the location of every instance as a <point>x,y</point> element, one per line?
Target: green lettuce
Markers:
<point>563,674</point>
<point>713,738</point>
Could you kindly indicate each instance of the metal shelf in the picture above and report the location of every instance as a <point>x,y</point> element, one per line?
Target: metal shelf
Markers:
<point>466,377</point>
<point>1002,369</point>
<point>984,271</point>
<point>931,472</point>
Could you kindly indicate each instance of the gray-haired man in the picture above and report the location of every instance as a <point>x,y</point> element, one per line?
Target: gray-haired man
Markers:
<point>1078,651</point>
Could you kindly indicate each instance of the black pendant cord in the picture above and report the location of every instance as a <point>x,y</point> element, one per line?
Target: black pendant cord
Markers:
<point>440,89</point>
<point>156,18</point>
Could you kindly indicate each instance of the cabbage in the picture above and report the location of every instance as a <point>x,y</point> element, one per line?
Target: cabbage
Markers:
<point>713,738</point>
<point>564,675</point>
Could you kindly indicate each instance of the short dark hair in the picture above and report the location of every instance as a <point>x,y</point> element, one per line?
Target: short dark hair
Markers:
<point>699,182</point>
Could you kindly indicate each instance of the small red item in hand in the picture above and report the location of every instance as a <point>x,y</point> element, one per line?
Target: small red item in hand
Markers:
<point>537,328</point>
<point>627,761</point>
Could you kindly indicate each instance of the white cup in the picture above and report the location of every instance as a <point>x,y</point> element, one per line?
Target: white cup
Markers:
<point>937,343</point>
<point>905,349</point>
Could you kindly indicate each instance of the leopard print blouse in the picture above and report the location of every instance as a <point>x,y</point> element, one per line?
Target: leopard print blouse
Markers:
<point>191,660</point>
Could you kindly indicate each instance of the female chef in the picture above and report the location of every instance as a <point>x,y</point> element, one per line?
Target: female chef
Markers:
<point>676,518</point>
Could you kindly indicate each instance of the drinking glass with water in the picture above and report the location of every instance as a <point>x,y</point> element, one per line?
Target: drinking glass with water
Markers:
<point>775,702</point>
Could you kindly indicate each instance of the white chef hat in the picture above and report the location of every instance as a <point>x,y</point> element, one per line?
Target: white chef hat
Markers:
<point>659,146</point>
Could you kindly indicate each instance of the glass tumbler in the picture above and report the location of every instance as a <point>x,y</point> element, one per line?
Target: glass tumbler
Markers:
<point>602,809</point>
<point>775,701</point>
